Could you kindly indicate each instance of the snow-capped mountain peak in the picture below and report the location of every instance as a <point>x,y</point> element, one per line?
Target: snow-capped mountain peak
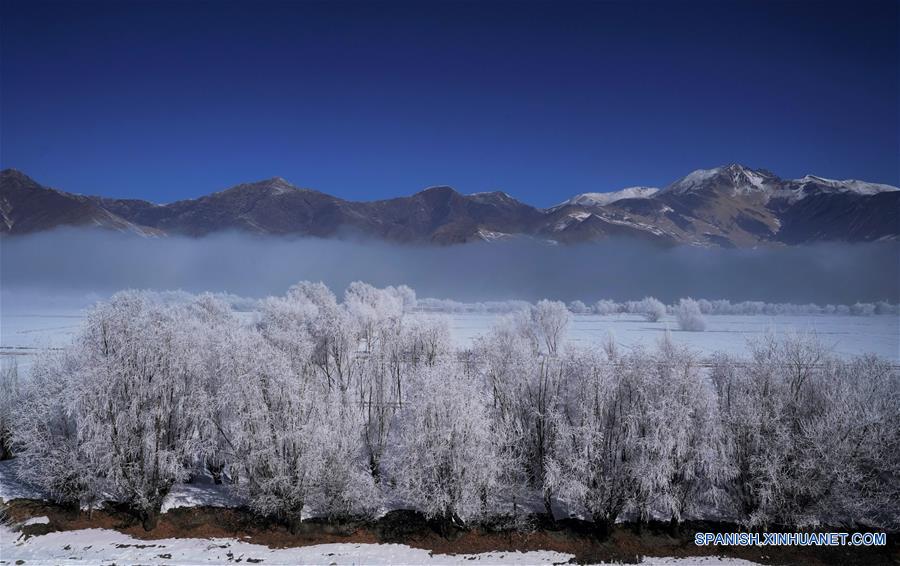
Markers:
<point>735,177</point>
<point>851,185</point>
<point>602,199</point>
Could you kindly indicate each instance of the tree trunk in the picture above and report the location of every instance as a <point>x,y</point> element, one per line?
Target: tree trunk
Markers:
<point>675,527</point>
<point>5,450</point>
<point>374,469</point>
<point>294,520</point>
<point>216,471</point>
<point>149,519</point>
<point>602,528</point>
<point>294,523</point>
<point>548,505</point>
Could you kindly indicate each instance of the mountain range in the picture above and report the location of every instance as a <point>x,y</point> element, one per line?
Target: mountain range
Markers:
<point>728,206</point>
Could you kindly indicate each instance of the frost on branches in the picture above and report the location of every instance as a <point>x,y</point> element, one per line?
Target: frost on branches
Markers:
<point>313,405</point>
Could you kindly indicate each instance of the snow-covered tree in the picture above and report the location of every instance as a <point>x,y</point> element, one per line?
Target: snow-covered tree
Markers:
<point>884,307</point>
<point>276,437</point>
<point>138,399</point>
<point>406,295</point>
<point>607,307</point>
<point>549,320</point>
<point>689,317</point>
<point>320,406</point>
<point>791,422</point>
<point>45,432</point>
<point>219,341</point>
<point>9,398</point>
<point>862,309</point>
<point>578,307</point>
<point>373,310</point>
<point>526,389</point>
<point>445,461</point>
<point>344,486</point>
<point>426,339</point>
<point>687,463</point>
<point>652,309</point>
<point>594,466</point>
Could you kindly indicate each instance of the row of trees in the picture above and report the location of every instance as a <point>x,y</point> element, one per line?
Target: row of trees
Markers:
<point>706,307</point>
<point>338,408</point>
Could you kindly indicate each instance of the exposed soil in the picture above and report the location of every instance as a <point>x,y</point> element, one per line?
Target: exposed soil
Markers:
<point>626,543</point>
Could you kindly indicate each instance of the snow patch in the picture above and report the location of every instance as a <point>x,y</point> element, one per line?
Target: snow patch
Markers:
<point>852,185</point>
<point>93,546</point>
<point>602,199</point>
<point>11,487</point>
<point>200,493</point>
<point>490,236</point>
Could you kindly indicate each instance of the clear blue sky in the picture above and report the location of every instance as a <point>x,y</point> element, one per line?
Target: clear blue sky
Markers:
<point>167,100</point>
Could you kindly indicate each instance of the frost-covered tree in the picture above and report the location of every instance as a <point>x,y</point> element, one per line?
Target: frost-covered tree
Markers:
<point>138,399</point>
<point>689,317</point>
<point>790,421</point>
<point>9,399</point>
<point>426,339</point>
<point>549,320</point>
<point>578,307</point>
<point>319,406</point>
<point>406,295</point>
<point>506,354</point>
<point>884,307</point>
<point>320,336</point>
<point>652,309</point>
<point>344,486</point>
<point>861,429</point>
<point>526,390</point>
<point>607,307</point>
<point>373,310</point>
<point>400,347</point>
<point>286,324</point>
<point>45,432</point>
<point>687,457</point>
<point>220,342</point>
<point>276,437</point>
<point>445,461</point>
<point>862,309</point>
<point>594,467</point>
<point>577,468</point>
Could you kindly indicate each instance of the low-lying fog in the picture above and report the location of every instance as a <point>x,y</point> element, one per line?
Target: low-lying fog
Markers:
<point>79,262</point>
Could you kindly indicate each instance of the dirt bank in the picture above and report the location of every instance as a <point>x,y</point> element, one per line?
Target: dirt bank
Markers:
<point>626,543</point>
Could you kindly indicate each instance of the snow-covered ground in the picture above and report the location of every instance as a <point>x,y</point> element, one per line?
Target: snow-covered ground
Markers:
<point>26,328</point>
<point>103,546</point>
<point>846,335</point>
<point>13,488</point>
<point>202,491</point>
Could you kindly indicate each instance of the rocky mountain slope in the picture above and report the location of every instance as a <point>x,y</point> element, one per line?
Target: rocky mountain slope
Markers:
<point>729,206</point>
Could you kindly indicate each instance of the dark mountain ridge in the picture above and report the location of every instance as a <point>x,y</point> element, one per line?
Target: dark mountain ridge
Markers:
<point>730,206</point>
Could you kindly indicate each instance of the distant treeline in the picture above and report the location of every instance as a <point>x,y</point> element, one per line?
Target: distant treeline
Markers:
<point>707,307</point>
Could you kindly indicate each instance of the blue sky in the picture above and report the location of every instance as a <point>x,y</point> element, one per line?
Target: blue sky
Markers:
<point>365,100</point>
